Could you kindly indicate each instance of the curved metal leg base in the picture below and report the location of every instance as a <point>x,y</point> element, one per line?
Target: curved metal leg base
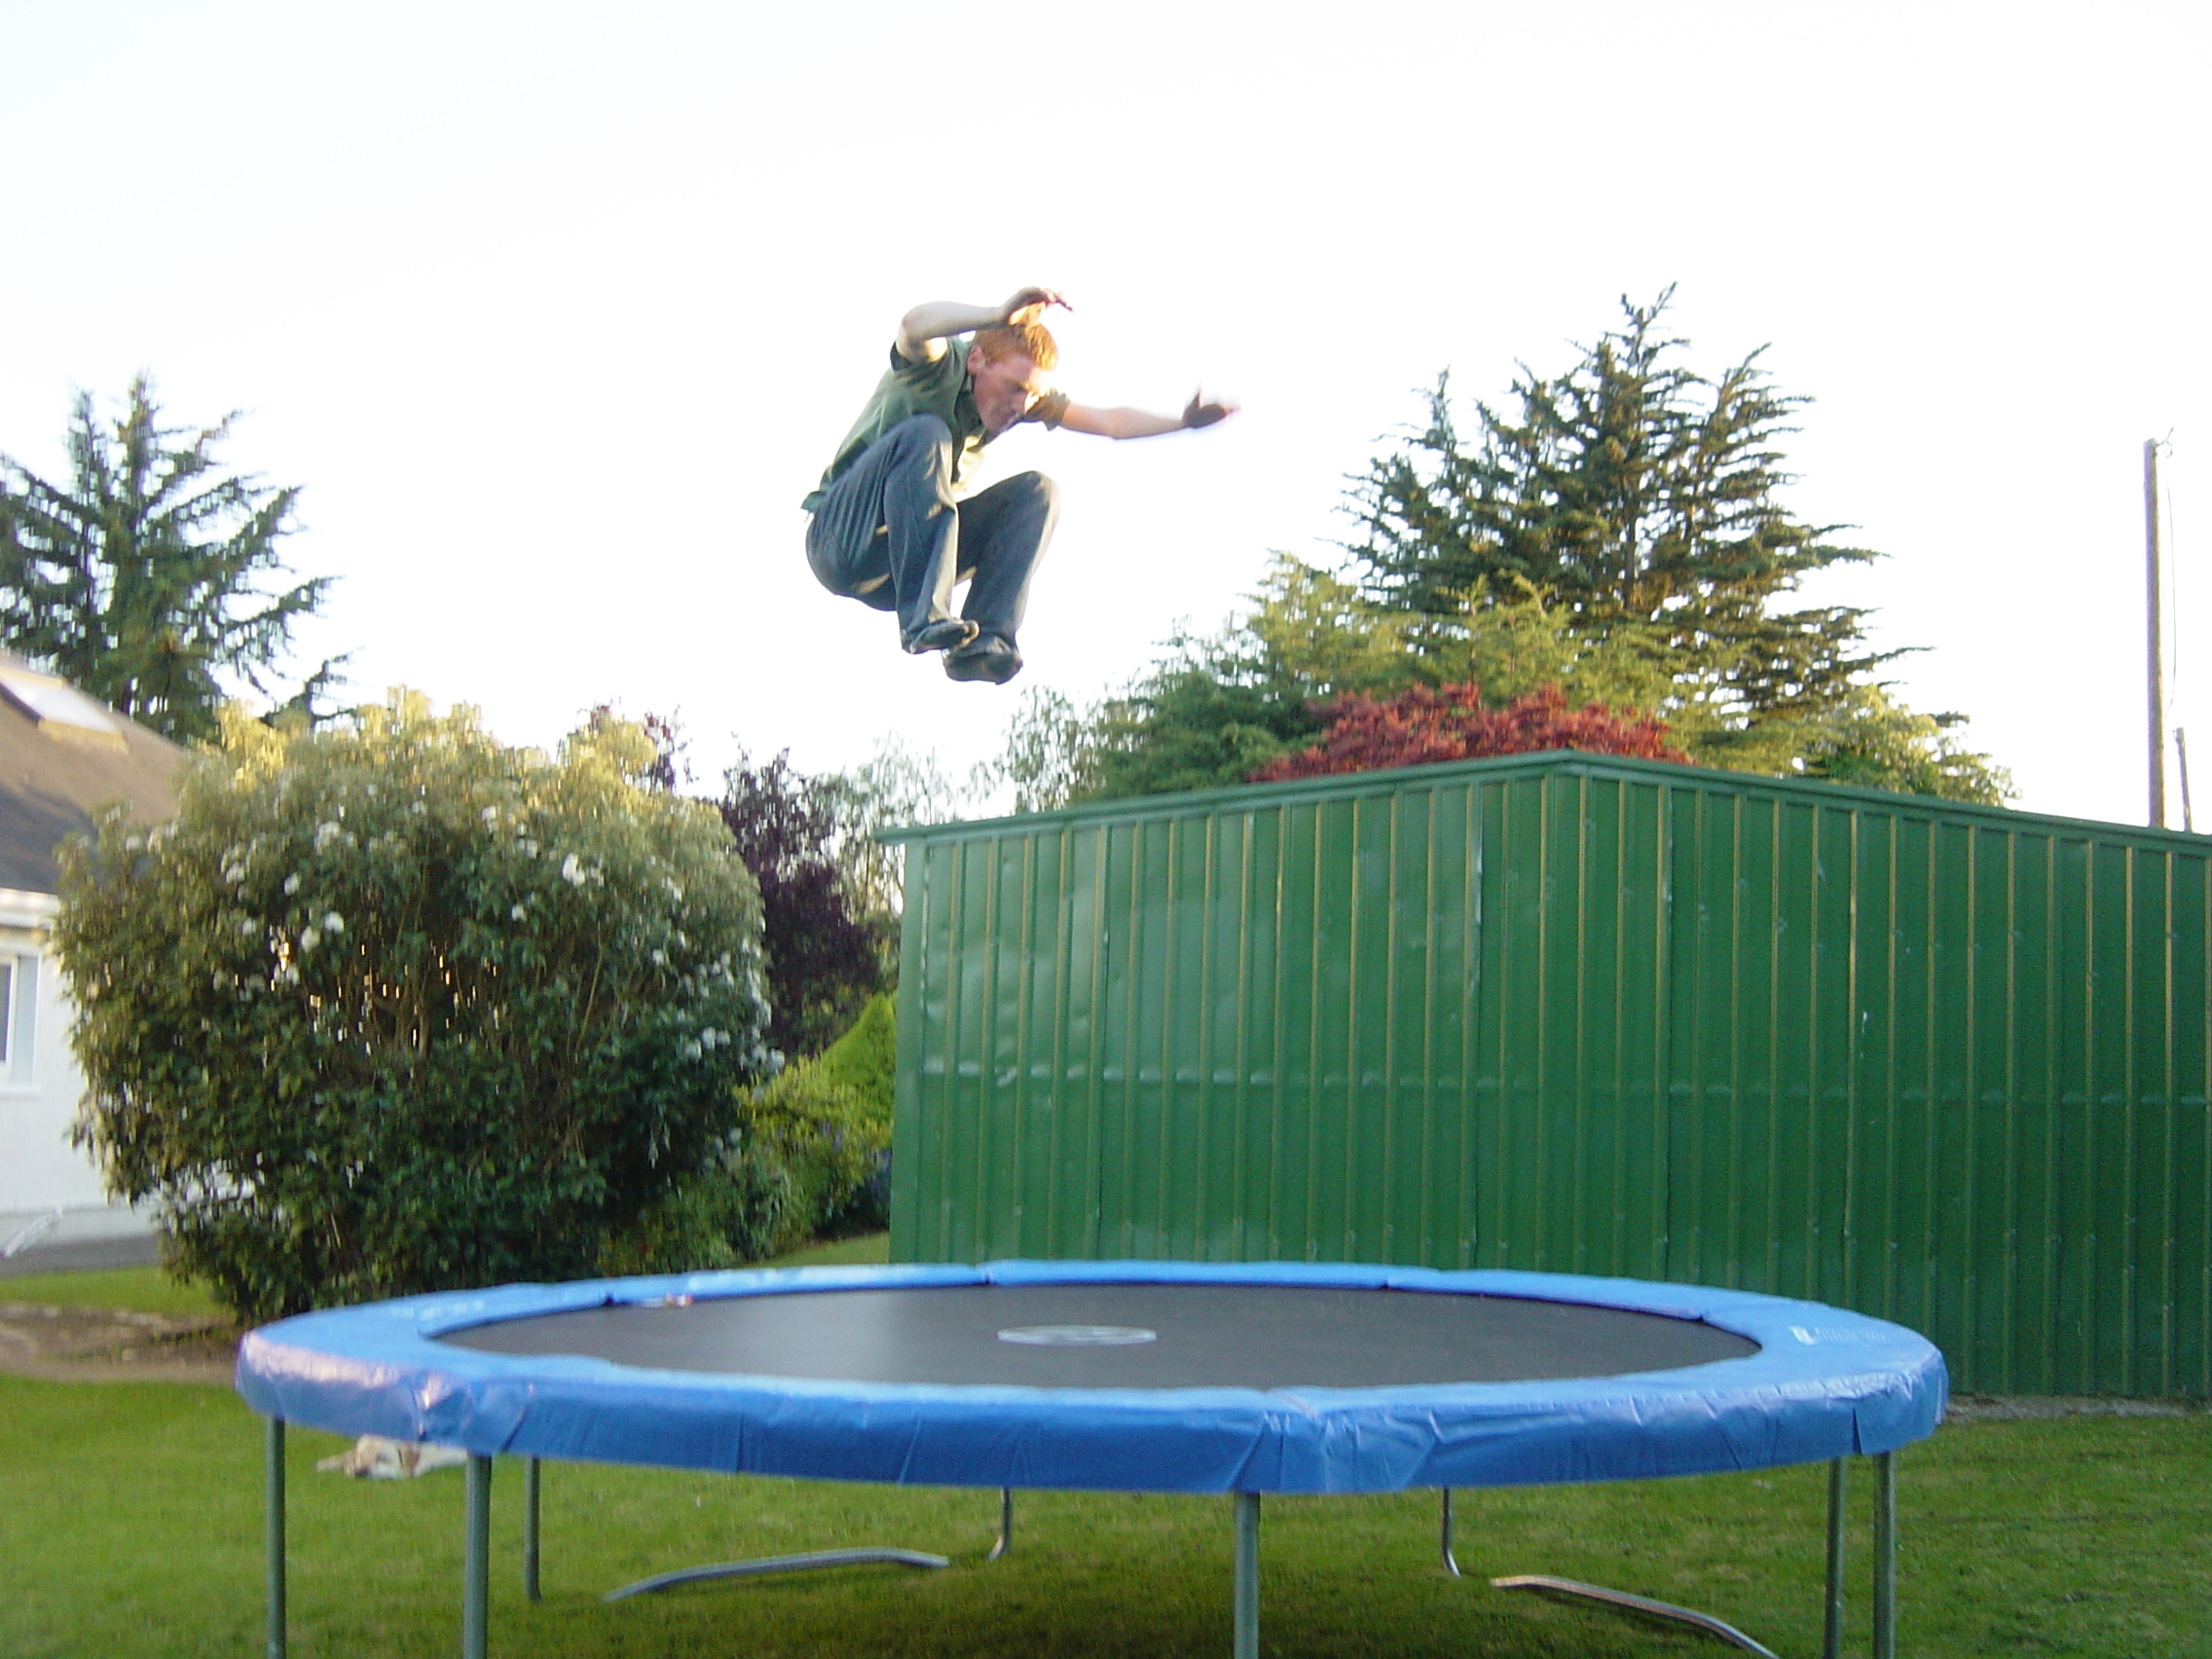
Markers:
<point>778,1563</point>
<point>1005,1545</point>
<point>1633,1603</point>
<point>1444,1542</point>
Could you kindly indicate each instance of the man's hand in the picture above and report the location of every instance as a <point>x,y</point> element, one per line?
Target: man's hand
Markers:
<point>1199,413</point>
<point>1027,304</point>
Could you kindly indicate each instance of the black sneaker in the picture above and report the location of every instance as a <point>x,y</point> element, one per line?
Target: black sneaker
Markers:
<point>942,634</point>
<point>988,658</point>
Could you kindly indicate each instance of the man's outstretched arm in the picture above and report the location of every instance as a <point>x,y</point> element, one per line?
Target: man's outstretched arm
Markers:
<point>1142,423</point>
<point>924,330</point>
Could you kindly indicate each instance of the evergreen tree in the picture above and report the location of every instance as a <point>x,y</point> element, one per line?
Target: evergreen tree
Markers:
<point>1635,496</point>
<point>139,579</point>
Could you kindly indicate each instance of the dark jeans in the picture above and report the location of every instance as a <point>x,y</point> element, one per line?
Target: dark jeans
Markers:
<point>889,534</point>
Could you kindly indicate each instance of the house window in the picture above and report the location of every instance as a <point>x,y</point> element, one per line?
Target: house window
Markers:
<point>19,1018</point>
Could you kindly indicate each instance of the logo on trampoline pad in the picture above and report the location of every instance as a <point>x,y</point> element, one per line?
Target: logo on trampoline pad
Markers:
<point>1078,1336</point>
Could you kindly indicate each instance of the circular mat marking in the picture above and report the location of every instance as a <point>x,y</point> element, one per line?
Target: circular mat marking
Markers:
<point>1078,1336</point>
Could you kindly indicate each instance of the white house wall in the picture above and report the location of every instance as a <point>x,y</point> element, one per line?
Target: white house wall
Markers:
<point>39,1169</point>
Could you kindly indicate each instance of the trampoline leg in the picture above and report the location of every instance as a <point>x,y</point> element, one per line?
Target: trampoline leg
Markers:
<point>1450,1563</point>
<point>476,1556</point>
<point>1885,1556</point>
<point>1832,1625</point>
<point>1005,1546</point>
<point>273,1530</point>
<point>530,1529</point>
<point>1248,1592</point>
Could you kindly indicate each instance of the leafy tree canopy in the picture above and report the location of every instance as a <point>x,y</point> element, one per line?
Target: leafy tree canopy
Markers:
<point>894,787</point>
<point>1049,752</point>
<point>390,1008</point>
<point>1208,714</point>
<point>1872,741</point>
<point>829,942</point>
<point>140,578</point>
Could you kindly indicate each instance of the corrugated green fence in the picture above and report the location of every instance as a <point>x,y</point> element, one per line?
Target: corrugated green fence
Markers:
<point>1942,1064</point>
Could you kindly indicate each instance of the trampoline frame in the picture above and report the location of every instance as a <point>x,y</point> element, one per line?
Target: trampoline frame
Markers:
<point>476,1532</point>
<point>1925,1387</point>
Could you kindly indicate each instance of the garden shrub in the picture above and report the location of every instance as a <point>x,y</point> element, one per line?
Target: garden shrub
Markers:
<point>863,1057</point>
<point>836,1142</point>
<point>394,1008</point>
<point>739,1209</point>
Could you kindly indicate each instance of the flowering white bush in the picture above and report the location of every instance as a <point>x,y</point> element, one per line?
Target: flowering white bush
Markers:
<point>395,1007</point>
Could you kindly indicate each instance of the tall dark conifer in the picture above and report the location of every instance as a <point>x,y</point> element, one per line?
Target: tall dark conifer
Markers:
<point>1633,492</point>
<point>139,577</point>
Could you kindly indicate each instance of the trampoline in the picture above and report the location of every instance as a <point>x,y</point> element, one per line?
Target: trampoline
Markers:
<point>1133,1376</point>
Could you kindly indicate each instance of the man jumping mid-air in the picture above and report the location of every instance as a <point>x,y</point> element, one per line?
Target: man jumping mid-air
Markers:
<point>890,527</point>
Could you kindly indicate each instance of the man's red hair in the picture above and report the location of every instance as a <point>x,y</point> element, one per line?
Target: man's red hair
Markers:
<point>1032,340</point>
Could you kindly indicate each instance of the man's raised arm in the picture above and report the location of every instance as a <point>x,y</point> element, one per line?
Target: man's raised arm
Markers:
<point>1143,423</point>
<point>924,330</point>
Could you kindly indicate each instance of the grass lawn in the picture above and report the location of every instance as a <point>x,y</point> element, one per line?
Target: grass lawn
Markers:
<point>140,1290</point>
<point>148,1290</point>
<point>131,1526</point>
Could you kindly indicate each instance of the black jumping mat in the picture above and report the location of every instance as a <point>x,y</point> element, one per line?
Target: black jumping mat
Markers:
<point>1123,1336</point>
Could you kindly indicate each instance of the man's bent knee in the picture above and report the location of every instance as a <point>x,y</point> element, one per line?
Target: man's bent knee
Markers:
<point>919,432</point>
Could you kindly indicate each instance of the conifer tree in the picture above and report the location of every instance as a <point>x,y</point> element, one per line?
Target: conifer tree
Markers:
<point>1635,493</point>
<point>138,578</point>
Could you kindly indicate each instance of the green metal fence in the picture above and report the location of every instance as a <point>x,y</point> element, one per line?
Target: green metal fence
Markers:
<point>1942,1064</point>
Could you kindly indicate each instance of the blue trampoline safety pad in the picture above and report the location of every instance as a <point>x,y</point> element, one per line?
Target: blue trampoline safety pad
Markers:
<point>1820,1383</point>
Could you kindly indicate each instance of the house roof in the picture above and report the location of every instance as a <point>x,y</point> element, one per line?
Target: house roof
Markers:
<point>62,756</point>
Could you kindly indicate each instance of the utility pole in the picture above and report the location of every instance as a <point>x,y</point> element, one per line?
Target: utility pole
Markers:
<point>2158,659</point>
<point>2181,754</point>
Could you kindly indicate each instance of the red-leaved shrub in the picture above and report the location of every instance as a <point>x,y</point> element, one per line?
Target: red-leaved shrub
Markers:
<point>1421,724</point>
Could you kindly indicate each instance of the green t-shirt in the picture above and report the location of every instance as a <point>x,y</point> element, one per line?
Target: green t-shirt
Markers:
<point>941,388</point>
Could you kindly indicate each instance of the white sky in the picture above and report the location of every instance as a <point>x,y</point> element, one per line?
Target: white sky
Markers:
<point>556,310</point>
